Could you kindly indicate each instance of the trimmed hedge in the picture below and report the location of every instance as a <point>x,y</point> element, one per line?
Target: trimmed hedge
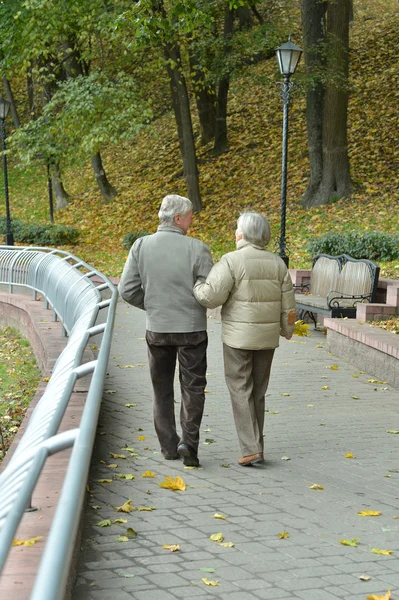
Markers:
<point>370,245</point>
<point>38,234</point>
<point>130,238</point>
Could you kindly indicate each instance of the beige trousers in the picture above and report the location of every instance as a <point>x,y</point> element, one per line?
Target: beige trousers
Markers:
<point>247,374</point>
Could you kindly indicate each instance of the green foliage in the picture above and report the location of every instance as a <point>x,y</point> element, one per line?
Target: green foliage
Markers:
<point>130,238</point>
<point>84,114</point>
<point>370,245</point>
<point>41,234</point>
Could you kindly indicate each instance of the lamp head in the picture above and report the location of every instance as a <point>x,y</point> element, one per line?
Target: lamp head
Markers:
<point>288,56</point>
<point>4,108</point>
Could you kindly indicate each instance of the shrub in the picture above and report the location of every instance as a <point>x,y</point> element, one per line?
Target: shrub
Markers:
<point>370,245</point>
<point>40,234</point>
<point>130,238</point>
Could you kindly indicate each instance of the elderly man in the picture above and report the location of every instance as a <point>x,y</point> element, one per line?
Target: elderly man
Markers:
<point>158,277</point>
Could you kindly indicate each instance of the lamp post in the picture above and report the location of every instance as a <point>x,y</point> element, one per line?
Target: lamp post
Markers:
<point>288,56</point>
<point>4,108</point>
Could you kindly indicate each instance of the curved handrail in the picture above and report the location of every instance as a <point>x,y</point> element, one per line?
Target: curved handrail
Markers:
<point>66,284</point>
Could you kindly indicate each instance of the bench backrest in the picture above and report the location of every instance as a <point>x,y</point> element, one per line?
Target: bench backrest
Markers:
<point>345,275</point>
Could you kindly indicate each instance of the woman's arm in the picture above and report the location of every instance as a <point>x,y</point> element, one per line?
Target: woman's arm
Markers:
<point>217,287</point>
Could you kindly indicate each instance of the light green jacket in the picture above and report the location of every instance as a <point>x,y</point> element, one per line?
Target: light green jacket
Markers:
<point>159,277</point>
<point>255,291</point>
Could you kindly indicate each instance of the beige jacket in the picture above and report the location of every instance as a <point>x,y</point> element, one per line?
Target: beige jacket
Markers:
<point>255,289</point>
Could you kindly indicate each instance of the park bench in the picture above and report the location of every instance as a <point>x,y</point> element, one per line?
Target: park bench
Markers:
<point>337,285</point>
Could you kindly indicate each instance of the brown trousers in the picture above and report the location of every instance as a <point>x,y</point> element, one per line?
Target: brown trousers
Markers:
<point>190,350</point>
<point>247,374</point>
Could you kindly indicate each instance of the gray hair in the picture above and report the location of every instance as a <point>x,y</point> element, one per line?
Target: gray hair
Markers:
<point>255,228</point>
<point>173,205</point>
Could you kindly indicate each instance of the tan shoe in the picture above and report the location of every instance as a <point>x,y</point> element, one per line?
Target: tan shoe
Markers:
<point>245,461</point>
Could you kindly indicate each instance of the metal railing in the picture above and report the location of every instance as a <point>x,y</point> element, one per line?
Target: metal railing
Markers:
<point>66,284</point>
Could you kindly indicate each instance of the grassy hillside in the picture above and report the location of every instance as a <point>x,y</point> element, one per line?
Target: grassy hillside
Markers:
<point>248,176</point>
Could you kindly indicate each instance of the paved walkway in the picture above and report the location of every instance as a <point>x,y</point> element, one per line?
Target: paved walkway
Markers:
<point>314,427</point>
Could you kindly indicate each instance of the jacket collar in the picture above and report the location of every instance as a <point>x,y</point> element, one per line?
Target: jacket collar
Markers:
<point>170,228</point>
<point>244,243</point>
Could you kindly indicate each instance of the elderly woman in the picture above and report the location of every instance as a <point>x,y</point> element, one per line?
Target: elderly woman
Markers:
<point>258,305</point>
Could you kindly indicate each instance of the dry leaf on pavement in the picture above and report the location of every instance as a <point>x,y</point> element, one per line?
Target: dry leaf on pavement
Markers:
<point>349,455</point>
<point>216,537</point>
<point>208,582</point>
<point>352,542</point>
<point>173,484</point>
<point>127,507</point>
<point>369,513</point>
<point>383,552</point>
<point>148,474</point>
<point>284,535</point>
<point>316,486</point>
<point>219,516</point>
<point>384,597</point>
<point>227,544</point>
<point>171,547</point>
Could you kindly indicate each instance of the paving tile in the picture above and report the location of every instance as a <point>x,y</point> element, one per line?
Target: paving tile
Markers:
<point>258,502</point>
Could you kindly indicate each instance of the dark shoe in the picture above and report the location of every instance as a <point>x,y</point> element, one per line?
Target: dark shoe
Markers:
<point>183,450</point>
<point>171,456</point>
<point>191,461</point>
<point>190,457</point>
<point>245,461</point>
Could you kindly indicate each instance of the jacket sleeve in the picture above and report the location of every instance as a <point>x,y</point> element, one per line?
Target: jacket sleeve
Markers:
<point>204,263</point>
<point>288,307</point>
<point>130,285</point>
<point>217,287</point>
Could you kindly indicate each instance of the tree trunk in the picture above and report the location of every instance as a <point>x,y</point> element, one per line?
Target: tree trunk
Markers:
<point>330,176</point>
<point>313,31</point>
<point>61,196</point>
<point>336,180</point>
<point>107,190</point>
<point>10,98</point>
<point>205,99</point>
<point>181,106</point>
<point>223,90</point>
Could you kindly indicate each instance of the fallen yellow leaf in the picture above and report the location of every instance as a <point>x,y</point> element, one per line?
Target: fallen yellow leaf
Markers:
<point>216,537</point>
<point>104,480</point>
<point>127,507</point>
<point>227,544</point>
<point>112,466</point>
<point>27,543</point>
<point>316,486</point>
<point>123,538</point>
<point>141,438</point>
<point>352,543</point>
<point>171,547</point>
<point>301,329</point>
<point>173,484</point>
<point>325,387</point>
<point>365,577</point>
<point>333,367</point>
<point>349,455</point>
<point>219,516</point>
<point>146,508</point>
<point>117,455</point>
<point>369,513</point>
<point>384,552</point>
<point>284,535</point>
<point>285,394</point>
<point>208,582</point>
<point>119,521</point>
<point>148,474</point>
<point>384,597</point>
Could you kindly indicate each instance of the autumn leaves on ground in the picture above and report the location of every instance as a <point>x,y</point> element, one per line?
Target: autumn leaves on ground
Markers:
<point>248,175</point>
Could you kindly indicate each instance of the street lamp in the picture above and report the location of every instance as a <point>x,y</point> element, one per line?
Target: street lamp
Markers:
<point>4,108</point>
<point>288,56</point>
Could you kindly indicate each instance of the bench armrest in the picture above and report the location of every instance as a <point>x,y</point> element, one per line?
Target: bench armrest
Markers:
<point>302,288</point>
<point>334,297</point>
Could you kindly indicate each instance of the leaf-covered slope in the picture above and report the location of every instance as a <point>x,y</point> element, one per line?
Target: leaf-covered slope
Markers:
<point>248,176</point>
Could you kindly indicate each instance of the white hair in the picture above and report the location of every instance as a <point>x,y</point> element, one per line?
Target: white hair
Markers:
<point>255,228</point>
<point>173,205</point>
